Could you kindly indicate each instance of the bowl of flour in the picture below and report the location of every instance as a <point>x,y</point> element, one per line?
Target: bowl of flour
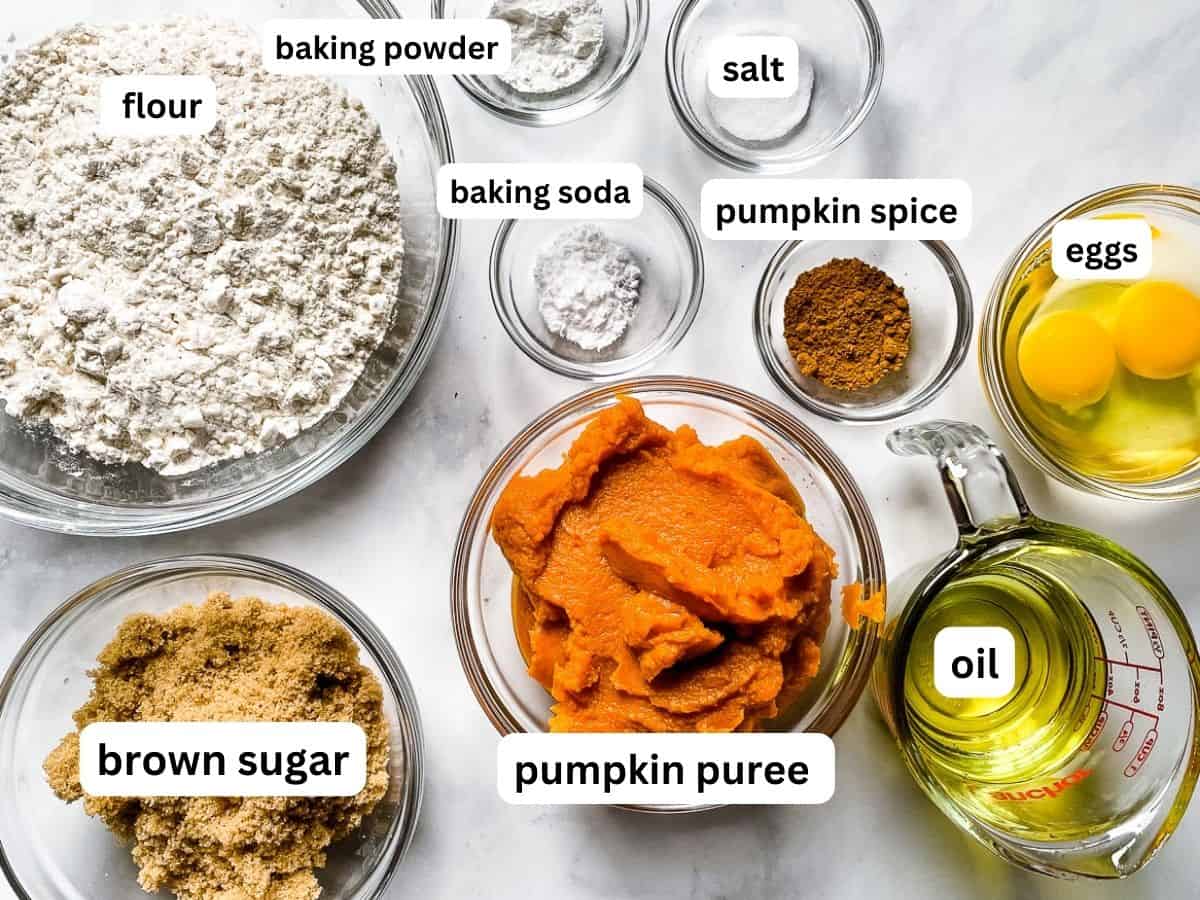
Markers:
<point>597,300</point>
<point>194,327</point>
<point>570,57</point>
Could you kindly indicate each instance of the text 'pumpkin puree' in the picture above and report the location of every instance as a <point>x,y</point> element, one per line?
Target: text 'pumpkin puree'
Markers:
<point>663,584</point>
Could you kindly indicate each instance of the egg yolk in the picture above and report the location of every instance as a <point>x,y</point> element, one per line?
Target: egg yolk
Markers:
<point>1067,358</point>
<point>1158,329</point>
<point>1154,232</point>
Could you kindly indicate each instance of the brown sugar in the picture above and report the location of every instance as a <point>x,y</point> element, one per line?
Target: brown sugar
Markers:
<point>230,660</point>
<point>847,324</point>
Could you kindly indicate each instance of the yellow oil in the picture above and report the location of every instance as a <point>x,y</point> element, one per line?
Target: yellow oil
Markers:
<point>1143,429</point>
<point>1012,761</point>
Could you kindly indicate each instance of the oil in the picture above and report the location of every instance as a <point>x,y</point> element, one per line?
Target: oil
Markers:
<point>1010,761</point>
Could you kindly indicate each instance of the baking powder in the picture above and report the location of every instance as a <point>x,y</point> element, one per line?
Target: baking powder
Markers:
<point>555,43</point>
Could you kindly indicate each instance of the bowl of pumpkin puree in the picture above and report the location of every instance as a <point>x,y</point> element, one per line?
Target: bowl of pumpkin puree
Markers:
<point>667,554</point>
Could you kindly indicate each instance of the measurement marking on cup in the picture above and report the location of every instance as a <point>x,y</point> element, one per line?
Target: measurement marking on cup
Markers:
<point>1123,735</point>
<point>1132,709</point>
<point>1116,624</point>
<point>1093,736</point>
<point>1152,633</point>
<point>1143,753</point>
<point>1131,665</point>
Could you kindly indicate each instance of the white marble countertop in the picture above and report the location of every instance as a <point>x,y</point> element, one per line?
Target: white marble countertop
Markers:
<point>1036,104</point>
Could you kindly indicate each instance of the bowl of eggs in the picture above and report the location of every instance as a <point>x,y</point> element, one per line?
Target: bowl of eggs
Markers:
<point>1098,380</point>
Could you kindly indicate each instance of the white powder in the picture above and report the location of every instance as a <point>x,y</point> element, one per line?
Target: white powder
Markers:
<point>587,287</point>
<point>555,43</point>
<point>180,301</point>
<point>760,119</point>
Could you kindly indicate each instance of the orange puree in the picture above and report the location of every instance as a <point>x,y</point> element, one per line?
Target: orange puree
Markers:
<point>856,607</point>
<point>662,584</point>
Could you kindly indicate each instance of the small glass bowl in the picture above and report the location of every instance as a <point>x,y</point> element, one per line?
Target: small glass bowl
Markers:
<point>668,251</point>
<point>53,849</point>
<point>841,37</point>
<point>939,301</point>
<point>1001,312</point>
<point>44,484</point>
<point>625,25</point>
<point>481,580</point>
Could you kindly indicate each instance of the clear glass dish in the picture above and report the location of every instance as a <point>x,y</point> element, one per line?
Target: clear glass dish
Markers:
<point>45,485</point>
<point>51,849</point>
<point>625,25</point>
<point>843,40</point>
<point>1000,377</point>
<point>481,580</point>
<point>939,301</point>
<point>668,251</point>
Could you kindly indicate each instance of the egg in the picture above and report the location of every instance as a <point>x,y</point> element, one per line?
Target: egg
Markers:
<point>1067,358</point>
<point>1158,329</point>
<point>1110,368</point>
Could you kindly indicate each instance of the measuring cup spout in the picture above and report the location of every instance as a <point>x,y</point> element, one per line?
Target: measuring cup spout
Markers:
<point>980,486</point>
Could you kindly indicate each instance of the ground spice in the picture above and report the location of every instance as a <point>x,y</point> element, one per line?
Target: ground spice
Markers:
<point>230,660</point>
<point>847,324</point>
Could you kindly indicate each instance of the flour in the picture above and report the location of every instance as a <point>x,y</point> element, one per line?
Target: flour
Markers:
<point>180,301</point>
<point>587,287</point>
<point>555,43</point>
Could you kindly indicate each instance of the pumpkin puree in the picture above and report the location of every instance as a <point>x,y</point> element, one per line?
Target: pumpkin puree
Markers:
<point>662,584</point>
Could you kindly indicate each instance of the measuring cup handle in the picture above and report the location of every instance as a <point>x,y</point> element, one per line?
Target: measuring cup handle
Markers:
<point>980,486</point>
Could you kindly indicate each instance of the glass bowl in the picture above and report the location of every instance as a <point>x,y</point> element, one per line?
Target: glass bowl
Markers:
<point>45,485</point>
<point>1003,312</point>
<point>668,251</point>
<point>843,40</point>
<point>625,25</point>
<point>51,849</point>
<point>481,580</point>
<point>939,300</point>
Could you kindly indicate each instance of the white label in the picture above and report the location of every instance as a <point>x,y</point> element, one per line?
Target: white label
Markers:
<point>539,191</point>
<point>157,105</point>
<point>772,209</point>
<point>557,769</point>
<point>223,759</point>
<point>974,661</point>
<point>754,66</point>
<point>1101,249</point>
<point>387,47</point>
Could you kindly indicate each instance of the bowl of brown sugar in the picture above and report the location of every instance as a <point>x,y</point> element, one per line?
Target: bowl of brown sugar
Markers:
<point>204,639</point>
<point>863,331</point>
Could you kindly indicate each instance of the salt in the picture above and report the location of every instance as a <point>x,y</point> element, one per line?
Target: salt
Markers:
<point>763,119</point>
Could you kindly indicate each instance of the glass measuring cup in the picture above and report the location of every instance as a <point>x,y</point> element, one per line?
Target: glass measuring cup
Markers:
<point>1086,766</point>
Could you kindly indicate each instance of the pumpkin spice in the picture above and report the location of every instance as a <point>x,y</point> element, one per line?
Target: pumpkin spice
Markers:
<point>847,324</point>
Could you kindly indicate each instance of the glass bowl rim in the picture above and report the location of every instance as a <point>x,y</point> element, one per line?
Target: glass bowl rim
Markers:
<point>505,304</point>
<point>812,155</point>
<point>998,395</point>
<point>856,660</point>
<point>959,346</point>
<point>35,506</point>
<point>587,103</point>
<point>364,631</point>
